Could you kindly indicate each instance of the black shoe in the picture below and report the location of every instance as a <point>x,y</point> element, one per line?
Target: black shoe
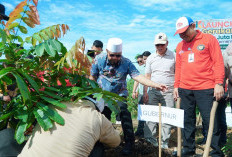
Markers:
<point>128,148</point>
<point>202,142</point>
<point>139,134</point>
<point>184,153</point>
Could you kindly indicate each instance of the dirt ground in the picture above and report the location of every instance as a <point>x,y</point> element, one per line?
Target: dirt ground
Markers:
<point>145,149</point>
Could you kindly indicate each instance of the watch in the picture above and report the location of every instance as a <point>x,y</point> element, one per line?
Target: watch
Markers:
<point>220,84</point>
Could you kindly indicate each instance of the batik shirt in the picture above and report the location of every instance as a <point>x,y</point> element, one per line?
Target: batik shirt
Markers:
<point>113,77</point>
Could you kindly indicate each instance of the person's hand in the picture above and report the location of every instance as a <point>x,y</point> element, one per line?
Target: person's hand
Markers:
<point>6,98</point>
<point>218,92</point>
<point>161,87</point>
<point>145,98</point>
<point>134,95</point>
<point>175,94</point>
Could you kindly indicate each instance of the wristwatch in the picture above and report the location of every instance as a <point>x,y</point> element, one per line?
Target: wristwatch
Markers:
<point>220,84</point>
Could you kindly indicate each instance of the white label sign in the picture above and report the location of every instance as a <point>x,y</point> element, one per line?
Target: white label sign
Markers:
<point>169,115</point>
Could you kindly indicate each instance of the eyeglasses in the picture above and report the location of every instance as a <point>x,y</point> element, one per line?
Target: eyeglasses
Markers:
<point>113,55</point>
<point>140,61</point>
<point>160,45</point>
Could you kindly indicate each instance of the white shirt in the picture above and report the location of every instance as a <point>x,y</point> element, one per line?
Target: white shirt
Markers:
<point>161,68</point>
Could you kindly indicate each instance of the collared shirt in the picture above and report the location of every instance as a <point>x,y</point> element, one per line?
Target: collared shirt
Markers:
<point>113,78</point>
<point>161,68</point>
<point>199,63</point>
<point>228,66</point>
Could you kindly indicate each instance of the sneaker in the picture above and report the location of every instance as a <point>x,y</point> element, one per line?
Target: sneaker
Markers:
<point>153,141</point>
<point>128,148</point>
<point>118,122</point>
<point>164,145</point>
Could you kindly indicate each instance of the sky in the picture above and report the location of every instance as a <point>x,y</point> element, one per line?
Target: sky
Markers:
<point>136,22</point>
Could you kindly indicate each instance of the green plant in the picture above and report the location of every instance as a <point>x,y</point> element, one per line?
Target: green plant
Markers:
<point>40,74</point>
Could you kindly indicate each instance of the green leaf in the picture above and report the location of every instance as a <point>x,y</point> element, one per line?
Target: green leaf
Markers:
<point>52,89</point>
<point>55,44</point>
<point>31,81</point>
<point>12,25</point>
<point>23,29</point>
<point>52,95</point>
<point>37,37</point>
<point>22,115</point>
<point>3,36</point>
<point>19,134</point>
<point>5,71</point>
<point>42,119</point>
<point>49,49</point>
<point>98,96</point>
<point>39,49</point>
<point>5,116</point>
<point>51,113</point>
<point>43,35</point>
<point>28,39</point>
<point>22,87</point>
<point>20,39</point>
<point>54,102</point>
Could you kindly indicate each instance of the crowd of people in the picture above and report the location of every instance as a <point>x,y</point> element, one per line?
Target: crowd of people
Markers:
<point>196,73</point>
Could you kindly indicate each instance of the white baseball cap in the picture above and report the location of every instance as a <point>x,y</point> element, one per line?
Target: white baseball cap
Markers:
<point>161,38</point>
<point>182,24</point>
<point>114,45</point>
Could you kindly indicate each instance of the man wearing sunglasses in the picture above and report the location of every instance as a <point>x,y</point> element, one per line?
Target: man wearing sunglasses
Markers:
<point>110,71</point>
<point>160,67</point>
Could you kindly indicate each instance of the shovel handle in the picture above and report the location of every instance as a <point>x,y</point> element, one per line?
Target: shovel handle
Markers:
<point>178,131</point>
<point>210,131</point>
<point>160,129</point>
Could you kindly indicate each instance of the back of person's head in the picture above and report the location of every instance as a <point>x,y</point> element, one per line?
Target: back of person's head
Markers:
<point>146,53</point>
<point>98,43</point>
<point>139,56</point>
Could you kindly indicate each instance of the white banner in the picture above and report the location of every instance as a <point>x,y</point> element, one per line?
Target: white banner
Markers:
<point>220,28</point>
<point>169,115</point>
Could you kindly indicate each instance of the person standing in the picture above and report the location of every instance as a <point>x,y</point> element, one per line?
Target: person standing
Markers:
<point>138,93</point>
<point>228,65</point>
<point>110,71</point>
<point>198,79</point>
<point>160,67</point>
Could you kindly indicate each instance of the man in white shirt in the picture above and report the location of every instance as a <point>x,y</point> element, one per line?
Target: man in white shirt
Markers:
<point>160,67</point>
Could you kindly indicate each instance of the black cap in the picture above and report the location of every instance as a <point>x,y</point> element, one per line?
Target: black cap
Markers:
<point>2,12</point>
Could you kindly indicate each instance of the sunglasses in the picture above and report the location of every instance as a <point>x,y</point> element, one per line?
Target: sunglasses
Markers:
<point>140,61</point>
<point>113,55</point>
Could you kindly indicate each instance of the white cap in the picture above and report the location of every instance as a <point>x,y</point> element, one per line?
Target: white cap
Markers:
<point>161,38</point>
<point>114,45</point>
<point>182,24</point>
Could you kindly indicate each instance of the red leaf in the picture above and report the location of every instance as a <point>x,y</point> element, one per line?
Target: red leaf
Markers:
<point>35,14</point>
<point>63,29</point>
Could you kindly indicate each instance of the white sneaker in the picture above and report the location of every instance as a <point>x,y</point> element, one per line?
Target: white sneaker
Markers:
<point>153,141</point>
<point>164,145</point>
<point>118,122</point>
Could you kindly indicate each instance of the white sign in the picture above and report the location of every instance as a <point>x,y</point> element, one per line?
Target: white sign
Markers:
<point>169,115</point>
<point>229,117</point>
<point>220,28</point>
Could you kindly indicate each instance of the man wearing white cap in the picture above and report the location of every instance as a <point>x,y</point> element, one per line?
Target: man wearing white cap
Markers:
<point>198,79</point>
<point>160,68</point>
<point>110,71</point>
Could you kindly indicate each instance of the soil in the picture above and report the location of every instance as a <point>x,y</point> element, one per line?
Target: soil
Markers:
<point>145,149</point>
